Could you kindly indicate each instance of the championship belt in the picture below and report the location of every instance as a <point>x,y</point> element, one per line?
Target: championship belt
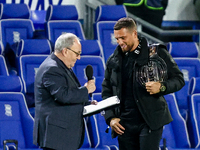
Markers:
<point>155,70</point>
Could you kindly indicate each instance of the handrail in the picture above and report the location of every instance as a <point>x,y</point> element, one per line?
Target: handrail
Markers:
<point>162,32</point>
<point>142,23</point>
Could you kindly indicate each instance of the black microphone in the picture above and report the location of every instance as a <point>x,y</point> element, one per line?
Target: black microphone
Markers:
<point>89,74</point>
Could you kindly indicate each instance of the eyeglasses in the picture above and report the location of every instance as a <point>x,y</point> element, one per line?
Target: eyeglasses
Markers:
<point>77,54</point>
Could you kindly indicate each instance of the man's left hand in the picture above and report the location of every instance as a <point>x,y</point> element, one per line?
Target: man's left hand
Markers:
<point>94,102</point>
<point>153,87</point>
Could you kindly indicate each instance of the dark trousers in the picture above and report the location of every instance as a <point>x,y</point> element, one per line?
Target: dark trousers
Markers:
<point>140,138</point>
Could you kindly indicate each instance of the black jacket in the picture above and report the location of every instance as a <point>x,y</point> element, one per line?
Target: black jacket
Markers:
<point>153,108</point>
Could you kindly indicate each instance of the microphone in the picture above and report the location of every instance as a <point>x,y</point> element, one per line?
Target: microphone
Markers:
<point>89,74</point>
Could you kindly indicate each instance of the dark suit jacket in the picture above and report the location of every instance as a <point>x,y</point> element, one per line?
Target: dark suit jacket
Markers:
<point>59,102</point>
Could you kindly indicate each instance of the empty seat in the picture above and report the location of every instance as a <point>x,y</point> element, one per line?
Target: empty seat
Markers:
<point>194,107</point>
<point>183,49</point>
<point>62,19</point>
<point>92,48</point>
<point>105,19</point>
<point>11,84</point>
<point>190,68</point>
<point>99,138</point>
<point>30,54</point>
<point>15,23</point>
<point>175,133</point>
<point>3,66</point>
<point>38,19</point>
<point>29,65</point>
<point>15,121</point>
<point>33,47</point>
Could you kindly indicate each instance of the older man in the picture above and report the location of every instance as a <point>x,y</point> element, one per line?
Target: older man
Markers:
<point>59,98</point>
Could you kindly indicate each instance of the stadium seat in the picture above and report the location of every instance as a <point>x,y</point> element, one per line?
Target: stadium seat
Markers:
<point>190,68</point>
<point>28,65</point>
<point>15,23</point>
<point>33,47</point>
<point>1,48</point>
<point>91,48</point>
<point>16,122</point>
<point>29,55</point>
<point>97,127</point>
<point>61,19</point>
<point>183,49</point>
<point>105,19</point>
<point>194,109</point>
<point>99,138</point>
<point>175,133</point>
<point>98,70</point>
<point>87,141</point>
<point>38,19</point>
<point>3,67</point>
<point>11,84</point>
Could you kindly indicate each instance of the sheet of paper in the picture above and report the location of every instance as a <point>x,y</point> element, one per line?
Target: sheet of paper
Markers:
<point>104,104</point>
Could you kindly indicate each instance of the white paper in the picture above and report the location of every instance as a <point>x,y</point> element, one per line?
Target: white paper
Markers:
<point>111,101</point>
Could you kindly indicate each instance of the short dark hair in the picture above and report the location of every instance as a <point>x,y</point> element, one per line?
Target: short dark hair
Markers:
<point>125,22</point>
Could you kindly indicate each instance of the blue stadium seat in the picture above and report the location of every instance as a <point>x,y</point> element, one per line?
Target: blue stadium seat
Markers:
<point>99,138</point>
<point>92,48</point>
<point>190,68</point>
<point>1,48</point>
<point>61,19</point>
<point>15,23</point>
<point>105,19</point>
<point>3,66</point>
<point>175,133</point>
<point>97,127</point>
<point>33,47</point>
<point>15,121</point>
<point>98,70</point>
<point>29,55</point>
<point>194,109</point>
<point>28,65</point>
<point>11,84</point>
<point>183,49</point>
<point>87,140</point>
<point>38,19</point>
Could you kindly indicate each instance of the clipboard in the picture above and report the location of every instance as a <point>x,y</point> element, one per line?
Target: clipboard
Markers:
<point>102,105</point>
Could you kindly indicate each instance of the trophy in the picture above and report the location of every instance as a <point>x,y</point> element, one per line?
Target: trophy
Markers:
<point>155,70</point>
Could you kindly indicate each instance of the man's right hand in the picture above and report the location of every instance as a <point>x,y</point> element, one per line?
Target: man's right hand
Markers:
<point>116,126</point>
<point>90,85</point>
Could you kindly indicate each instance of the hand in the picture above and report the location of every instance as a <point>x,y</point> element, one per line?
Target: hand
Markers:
<point>153,87</point>
<point>118,128</point>
<point>94,102</point>
<point>90,85</point>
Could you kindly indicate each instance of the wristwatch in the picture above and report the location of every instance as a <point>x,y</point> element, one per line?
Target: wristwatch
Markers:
<point>162,88</point>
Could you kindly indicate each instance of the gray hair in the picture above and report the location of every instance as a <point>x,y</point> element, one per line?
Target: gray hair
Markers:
<point>66,40</point>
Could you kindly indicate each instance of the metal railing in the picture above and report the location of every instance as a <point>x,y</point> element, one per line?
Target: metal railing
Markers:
<point>90,19</point>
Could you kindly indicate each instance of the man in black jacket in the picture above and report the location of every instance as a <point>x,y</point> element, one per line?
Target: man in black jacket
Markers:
<point>131,75</point>
<point>59,98</point>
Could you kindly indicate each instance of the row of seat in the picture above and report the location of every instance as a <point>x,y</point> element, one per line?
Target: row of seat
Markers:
<point>25,52</point>
<point>17,123</point>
